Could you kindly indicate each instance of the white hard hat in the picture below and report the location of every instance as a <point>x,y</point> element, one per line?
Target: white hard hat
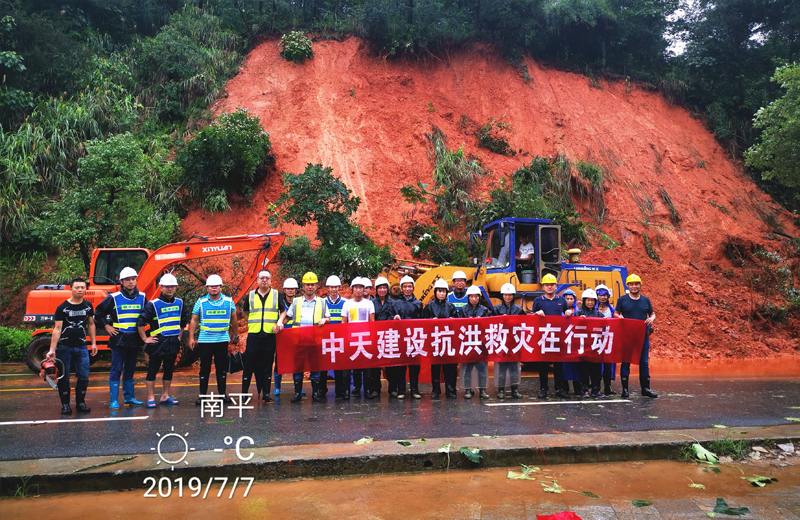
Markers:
<point>406,279</point>
<point>367,281</point>
<point>214,279</point>
<point>168,279</point>
<point>473,289</point>
<point>381,281</point>
<point>459,274</point>
<point>601,286</point>
<point>128,272</point>
<point>441,284</point>
<point>333,281</point>
<point>508,288</point>
<point>357,281</point>
<point>290,283</point>
<point>589,293</point>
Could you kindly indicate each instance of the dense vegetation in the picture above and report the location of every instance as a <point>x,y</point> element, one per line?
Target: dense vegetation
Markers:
<point>90,83</point>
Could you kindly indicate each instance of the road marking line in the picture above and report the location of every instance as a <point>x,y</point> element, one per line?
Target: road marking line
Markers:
<point>560,402</point>
<point>99,419</point>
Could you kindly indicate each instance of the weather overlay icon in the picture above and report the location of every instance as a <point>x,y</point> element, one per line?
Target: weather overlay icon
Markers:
<point>183,453</point>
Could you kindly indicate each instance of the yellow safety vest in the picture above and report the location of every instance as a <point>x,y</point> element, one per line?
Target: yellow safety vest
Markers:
<point>297,309</point>
<point>263,317</point>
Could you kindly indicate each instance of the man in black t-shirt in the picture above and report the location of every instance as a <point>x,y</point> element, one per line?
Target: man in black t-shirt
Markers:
<point>637,307</point>
<point>73,318</point>
<point>550,304</point>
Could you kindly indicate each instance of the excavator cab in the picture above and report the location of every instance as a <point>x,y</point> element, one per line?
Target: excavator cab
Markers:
<point>109,262</point>
<point>528,248</point>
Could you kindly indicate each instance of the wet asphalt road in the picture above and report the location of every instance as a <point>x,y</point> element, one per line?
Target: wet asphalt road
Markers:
<point>684,402</point>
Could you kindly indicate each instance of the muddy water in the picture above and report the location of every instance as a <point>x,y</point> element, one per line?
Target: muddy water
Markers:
<point>432,496</point>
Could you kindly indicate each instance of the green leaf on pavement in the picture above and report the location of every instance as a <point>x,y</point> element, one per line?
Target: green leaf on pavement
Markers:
<point>225,421</point>
<point>517,475</point>
<point>445,448</point>
<point>403,443</point>
<point>561,418</point>
<point>793,407</point>
<point>703,454</point>
<point>530,469</point>
<point>723,508</point>
<point>711,514</point>
<point>720,426</point>
<point>651,417</point>
<point>795,419</point>
<point>554,488</point>
<point>422,439</point>
<point>473,454</point>
<point>363,440</point>
<point>641,503</point>
<point>476,434</point>
<point>759,481</point>
<point>693,485</point>
<point>588,494</point>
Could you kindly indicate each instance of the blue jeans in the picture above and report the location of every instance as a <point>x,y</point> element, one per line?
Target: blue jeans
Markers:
<point>77,355</point>
<point>123,362</point>
<point>299,377</point>
<point>644,366</point>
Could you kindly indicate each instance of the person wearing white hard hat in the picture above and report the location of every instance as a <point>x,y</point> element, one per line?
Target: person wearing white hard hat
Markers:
<point>608,370</point>
<point>215,315</point>
<point>264,312</point>
<point>507,372</point>
<point>589,372</point>
<point>367,288</point>
<point>357,310</point>
<point>117,314</point>
<point>287,297</point>
<point>335,303</point>
<point>440,308</point>
<point>166,317</point>
<point>407,307</point>
<point>474,309</point>
<point>459,295</point>
<point>384,311</point>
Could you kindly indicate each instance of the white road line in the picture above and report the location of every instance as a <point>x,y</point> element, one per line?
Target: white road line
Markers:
<point>560,402</point>
<point>99,419</point>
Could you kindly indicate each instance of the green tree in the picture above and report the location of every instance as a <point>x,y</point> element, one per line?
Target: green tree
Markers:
<point>229,156</point>
<point>777,154</point>
<point>111,205</point>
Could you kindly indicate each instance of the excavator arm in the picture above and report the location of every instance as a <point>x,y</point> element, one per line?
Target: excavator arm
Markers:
<point>166,258</point>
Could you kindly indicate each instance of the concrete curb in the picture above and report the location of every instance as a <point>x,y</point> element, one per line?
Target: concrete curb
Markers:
<point>378,457</point>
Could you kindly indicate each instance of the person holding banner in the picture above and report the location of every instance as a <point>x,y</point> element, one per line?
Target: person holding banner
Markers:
<point>474,309</point>
<point>356,310</point>
<point>262,310</point>
<point>459,295</point>
<point>572,370</point>
<point>384,310</point>
<point>335,302</point>
<point>306,311</point>
<point>589,372</point>
<point>607,310</point>
<point>407,307</point>
<point>289,292</point>
<point>440,307</point>
<point>637,307</point>
<point>550,304</point>
<point>507,372</point>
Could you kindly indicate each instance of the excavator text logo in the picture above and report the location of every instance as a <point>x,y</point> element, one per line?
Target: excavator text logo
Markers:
<point>217,249</point>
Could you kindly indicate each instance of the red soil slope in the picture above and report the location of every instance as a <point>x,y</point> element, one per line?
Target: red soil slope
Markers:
<point>367,117</point>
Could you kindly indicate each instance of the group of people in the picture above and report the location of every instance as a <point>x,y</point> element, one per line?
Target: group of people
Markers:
<point>133,322</point>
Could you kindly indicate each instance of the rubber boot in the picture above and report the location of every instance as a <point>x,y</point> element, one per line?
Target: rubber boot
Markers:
<point>63,394</point>
<point>265,395</point>
<point>315,391</point>
<point>515,392</point>
<point>298,392</point>
<point>80,396</point>
<point>483,394</point>
<point>645,382</point>
<point>113,389</point>
<point>625,394</point>
<point>127,391</point>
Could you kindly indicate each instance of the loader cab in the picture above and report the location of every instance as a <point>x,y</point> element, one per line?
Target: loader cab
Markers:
<point>527,249</point>
<point>107,264</point>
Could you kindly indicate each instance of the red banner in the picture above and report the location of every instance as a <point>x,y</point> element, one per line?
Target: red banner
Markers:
<point>467,340</point>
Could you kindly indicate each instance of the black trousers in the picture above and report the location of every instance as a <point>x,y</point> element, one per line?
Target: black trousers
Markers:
<point>413,378</point>
<point>341,383</point>
<point>397,379</point>
<point>450,377</point>
<point>375,376</point>
<point>259,353</point>
<point>154,363</point>
<point>365,375</point>
<point>219,353</point>
<point>558,375</point>
<point>590,376</point>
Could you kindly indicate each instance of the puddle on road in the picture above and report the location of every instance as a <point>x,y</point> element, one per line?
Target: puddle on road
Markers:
<point>457,494</point>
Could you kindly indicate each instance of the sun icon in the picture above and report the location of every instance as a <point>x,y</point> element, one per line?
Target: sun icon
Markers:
<point>186,449</point>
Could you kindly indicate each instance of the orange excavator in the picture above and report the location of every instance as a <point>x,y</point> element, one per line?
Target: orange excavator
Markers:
<point>106,265</point>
